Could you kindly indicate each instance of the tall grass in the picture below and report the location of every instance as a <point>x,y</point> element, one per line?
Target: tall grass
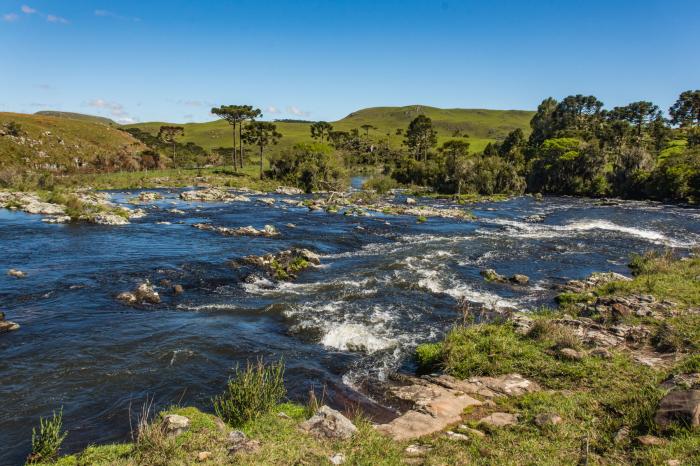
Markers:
<point>47,442</point>
<point>251,392</point>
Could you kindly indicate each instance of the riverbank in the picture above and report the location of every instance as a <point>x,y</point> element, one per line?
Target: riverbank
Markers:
<point>612,376</point>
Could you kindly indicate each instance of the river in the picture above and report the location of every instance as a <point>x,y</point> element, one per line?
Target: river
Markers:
<point>386,283</point>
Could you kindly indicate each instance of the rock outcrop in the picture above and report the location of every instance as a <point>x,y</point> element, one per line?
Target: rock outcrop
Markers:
<point>285,265</point>
<point>174,425</point>
<point>6,325</point>
<point>267,231</point>
<point>329,423</point>
<point>212,195</point>
<point>144,293</point>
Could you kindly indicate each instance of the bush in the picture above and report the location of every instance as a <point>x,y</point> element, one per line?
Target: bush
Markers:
<point>428,356</point>
<point>381,184</point>
<point>47,442</point>
<point>251,393</point>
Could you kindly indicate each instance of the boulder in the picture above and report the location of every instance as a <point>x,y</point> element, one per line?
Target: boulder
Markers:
<point>492,276</point>
<point>289,191</point>
<point>456,436</point>
<point>127,297</point>
<point>679,407</point>
<point>239,442</point>
<point>16,273</point>
<point>410,201</point>
<point>650,441</point>
<point>470,431</point>
<point>285,265</point>
<point>174,424</point>
<point>520,279</point>
<point>569,354</point>
<point>338,458</point>
<point>329,423</point>
<point>267,200</point>
<point>7,326</point>
<point>178,289</point>
<point>203,456</point>
<point>548,419</point>
<point>109,219</point>
<point>145,293</point>
<point>496,420</point>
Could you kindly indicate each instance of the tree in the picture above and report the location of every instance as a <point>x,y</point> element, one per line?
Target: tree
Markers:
<point>420,136</point>
<point>455,151</point>
<point>685,112</point>
<point>261,134</point>
<point>541,123</point>
<point>321,130</point>
<point>638,114</point>
<point>235,115</point>
<point>168,134</point>
<point>367,127</point>
<point>250,114</point>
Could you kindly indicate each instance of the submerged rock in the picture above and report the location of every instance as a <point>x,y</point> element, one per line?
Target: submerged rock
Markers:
<point>109,219</point>
<point>6,325</point>
<point>144,293</point>
<point>16,273</point>
<point>492,276</point>
<point>267,231</point>
<point>520,279</point>
<point>329,423</point>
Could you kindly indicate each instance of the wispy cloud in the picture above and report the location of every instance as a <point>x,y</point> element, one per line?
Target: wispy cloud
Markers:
<point>56,19</point>
<point>111,14</point>
<point>297,111</point>
<point>191,103</point>
<point>115,110</point>
<point>10,17</point>
<point>272,109</point>
<point>45,87</point>
<point>28,10</point>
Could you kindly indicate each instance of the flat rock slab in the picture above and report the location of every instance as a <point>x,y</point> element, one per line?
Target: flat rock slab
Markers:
<point>435,407</point>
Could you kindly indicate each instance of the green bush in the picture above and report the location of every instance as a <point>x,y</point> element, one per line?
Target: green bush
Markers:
<point>251,392</point>
<point>47,442</point>
<point>428,356</point>
<point>381,184</point>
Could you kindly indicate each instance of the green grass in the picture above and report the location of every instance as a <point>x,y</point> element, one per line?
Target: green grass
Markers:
<point>482,126</point>
<point>69,139</point>
<point>78,116</point>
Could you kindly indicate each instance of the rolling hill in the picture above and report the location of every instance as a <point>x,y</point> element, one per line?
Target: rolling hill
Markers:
<point>59,143</point>
<point>482,126</point>
<point>78,116</point>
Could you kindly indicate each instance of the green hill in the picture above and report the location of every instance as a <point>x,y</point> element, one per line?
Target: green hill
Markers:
<point>59,144</point>
<point>78,116</point>
<point>482,126</point>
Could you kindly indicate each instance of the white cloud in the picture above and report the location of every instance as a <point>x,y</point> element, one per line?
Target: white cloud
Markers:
<point>115,109</point>
<point>56,19</point>
<point>297,111</point>
<point>28,10</point>
<point>111,14</point>
<point>10,17</point>
<point>273,109</point>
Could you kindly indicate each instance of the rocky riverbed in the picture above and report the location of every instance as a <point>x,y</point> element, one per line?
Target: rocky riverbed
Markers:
<point>389,276</point>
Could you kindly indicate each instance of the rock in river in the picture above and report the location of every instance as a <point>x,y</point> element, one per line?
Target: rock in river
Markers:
<point>286,264</point>
<point>329,423</point>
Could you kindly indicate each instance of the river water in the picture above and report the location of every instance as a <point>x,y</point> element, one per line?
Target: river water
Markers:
<point>386,283</point>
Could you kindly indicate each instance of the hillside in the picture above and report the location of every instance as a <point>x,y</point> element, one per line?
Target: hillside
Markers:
<point>482,126</point>
<point>78,116</point>
<point>59,144</point>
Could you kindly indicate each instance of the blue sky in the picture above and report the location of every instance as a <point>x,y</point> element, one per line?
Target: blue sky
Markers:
<point>173,60</point>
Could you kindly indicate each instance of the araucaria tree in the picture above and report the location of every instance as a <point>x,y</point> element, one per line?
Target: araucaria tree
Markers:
<point>261,134</point>
<point>321,130</point>
<point>168,134</point>
<point>420,137</point>
<point>685,112</point>
<point>235,115</point>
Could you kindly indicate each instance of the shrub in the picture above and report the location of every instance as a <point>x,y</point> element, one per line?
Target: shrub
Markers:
<point>47,442</point>
<point>381,184</point>
<point>428,356</point>
<point>251,392</point>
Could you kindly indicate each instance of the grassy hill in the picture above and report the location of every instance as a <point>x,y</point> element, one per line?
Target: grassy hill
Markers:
<point>78,116</point>
<point>482,126</point>
<point>57,143</point>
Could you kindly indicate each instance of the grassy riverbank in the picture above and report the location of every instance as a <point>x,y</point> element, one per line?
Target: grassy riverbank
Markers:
<point>605,401</point>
